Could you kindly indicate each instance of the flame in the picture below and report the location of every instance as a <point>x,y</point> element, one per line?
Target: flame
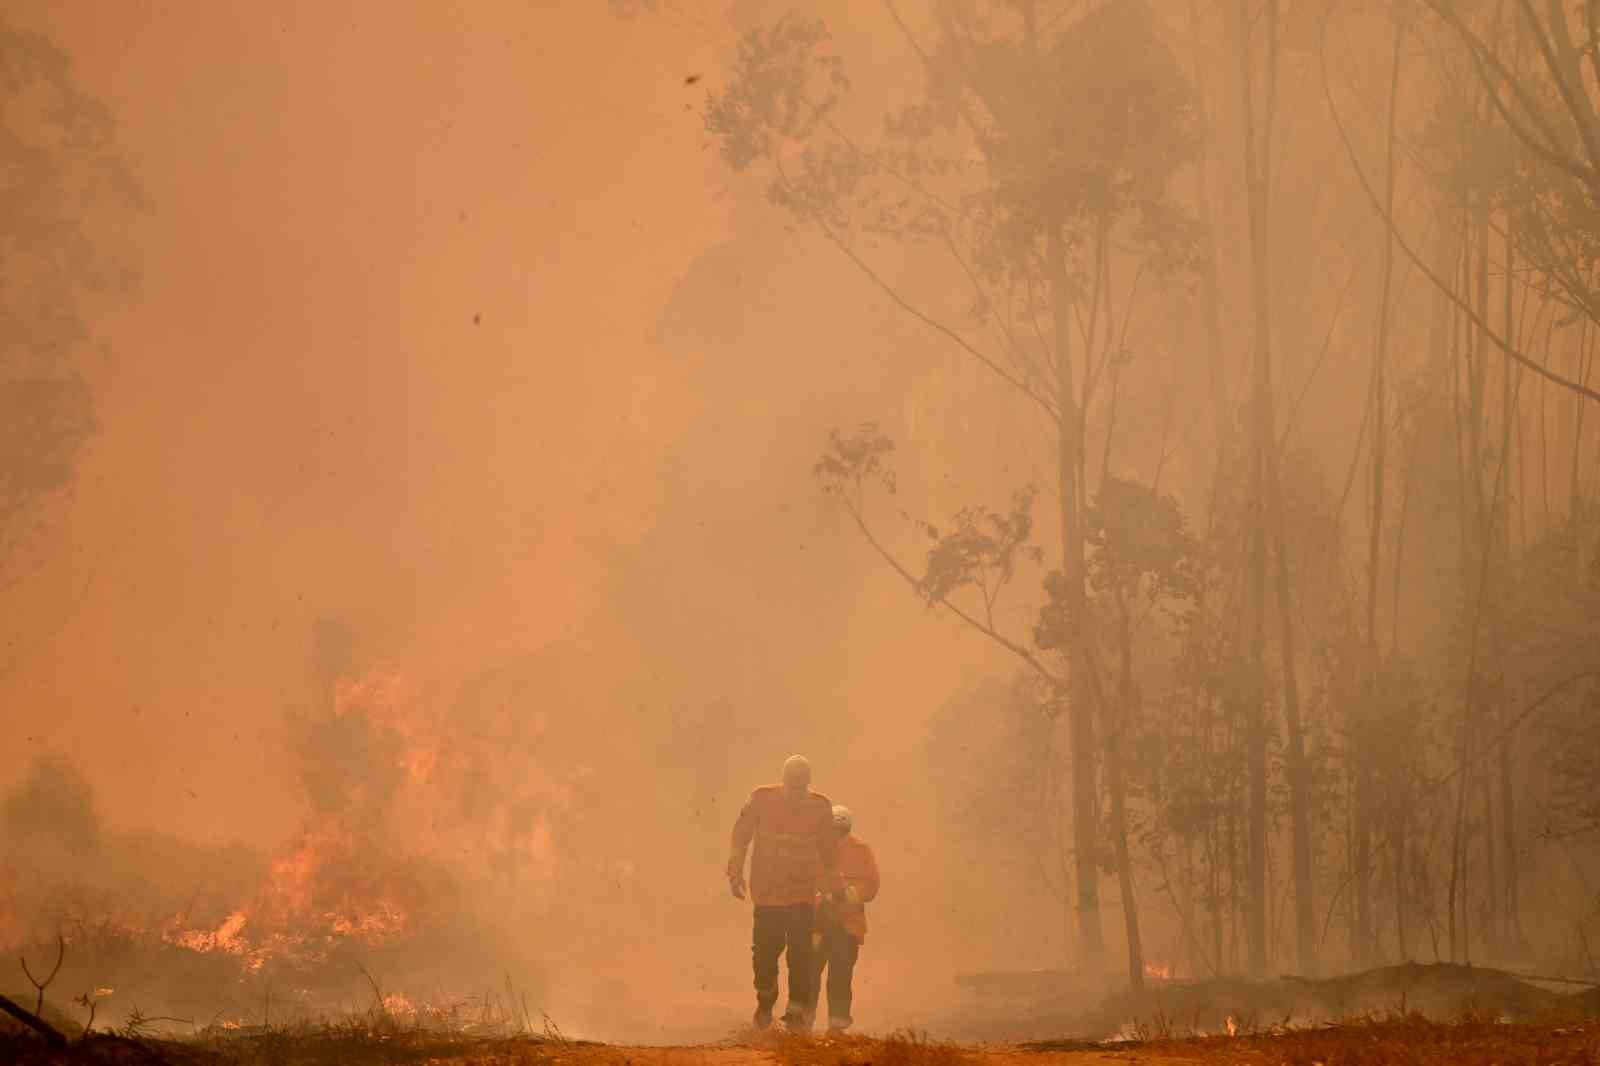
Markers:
<point>396,1003</point>
<point>384,921</point>
<point>422,792</point>
<point>1233,1026</point>
<point>324,888</point>
<point>292,876</point>
<point>1163,971</point>
<point>225,938</point>
<point>385,700</point>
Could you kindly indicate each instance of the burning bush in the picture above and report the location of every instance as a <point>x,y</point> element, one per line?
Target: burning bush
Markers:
<point>419,832</point>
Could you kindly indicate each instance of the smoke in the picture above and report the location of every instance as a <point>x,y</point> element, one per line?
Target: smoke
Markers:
<point>52,807</point>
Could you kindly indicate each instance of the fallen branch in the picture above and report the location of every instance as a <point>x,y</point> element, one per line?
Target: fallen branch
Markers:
<point>51,1034</point>
<point>1540,978</point>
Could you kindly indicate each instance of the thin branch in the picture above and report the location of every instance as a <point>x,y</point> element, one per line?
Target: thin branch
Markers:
<point>1021,362</point>
<point>1511,727</point>
<point>1052,372</point>
<point>1555,158</point>
<point>987,630</point>
<point>1417,261</point>
<point>1482,53</point>
<point>1578,108</point>
<point>1327,343</point>
<point>877,163</point>
<point>1572,294</point>
<point>377,993</point>
<point>927,320</point>
<point>61,954</point>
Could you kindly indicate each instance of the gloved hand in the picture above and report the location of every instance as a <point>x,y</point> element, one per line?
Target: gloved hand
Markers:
<point>851,896</point>
<point>736,885</point>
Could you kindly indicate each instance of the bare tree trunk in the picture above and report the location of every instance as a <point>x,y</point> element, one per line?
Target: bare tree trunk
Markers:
<point>1258,183</point>
<point>1399,813</point>
<point>1364,800</point>
<point>1576,504</point>
<point>1210,266</point>
<point>1210,280</point>
<point>1116,770</point>
<point>1398,844</point>
<point>1081,698</point>
<point>1473,528</point>
<point>1081,709</point>
<point>1477,371</point>
<point>1299,772</point>
<point>1502,893</point>
<point>1480,532</point>
<point>1491,886</point>
<point>1217,902</point>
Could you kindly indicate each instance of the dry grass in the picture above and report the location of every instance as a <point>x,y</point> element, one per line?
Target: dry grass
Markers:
<point>373,1037</point>
<point>1402,1041</point>
<point>1393,1041</point>
<point>896,1049</point>
<point>366,1046</point>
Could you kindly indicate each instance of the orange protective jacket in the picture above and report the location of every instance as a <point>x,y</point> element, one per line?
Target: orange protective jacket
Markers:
<point>858,869</point>
<point>795,847</point>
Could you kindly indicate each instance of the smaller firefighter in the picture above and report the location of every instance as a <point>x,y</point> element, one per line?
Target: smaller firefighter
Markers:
<point>842,921</point>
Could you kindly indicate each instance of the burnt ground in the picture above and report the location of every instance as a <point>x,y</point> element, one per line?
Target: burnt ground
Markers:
<point>1419,1015</point>
<point>1440,992</point>
<point>1410,1040</point>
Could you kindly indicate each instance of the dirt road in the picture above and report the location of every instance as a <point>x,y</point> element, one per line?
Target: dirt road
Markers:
<point>1412,1040</point>
<point>855,1053</point>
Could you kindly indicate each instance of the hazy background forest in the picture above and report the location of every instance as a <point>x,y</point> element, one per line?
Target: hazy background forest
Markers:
<point>1145,454</point>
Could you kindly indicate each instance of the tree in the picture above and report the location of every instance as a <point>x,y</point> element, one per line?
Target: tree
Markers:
<point>1391,774</point>
<point>1267,525</point>
<point>1143,559</point>
<point>1549,110</point>
<point>1032,230</point>
<point>57,160</point>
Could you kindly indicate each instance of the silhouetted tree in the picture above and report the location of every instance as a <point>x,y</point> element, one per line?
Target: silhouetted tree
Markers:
<point>56,161</point>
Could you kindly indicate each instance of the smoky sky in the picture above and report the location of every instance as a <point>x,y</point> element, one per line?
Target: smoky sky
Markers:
<point>450,325</point>
<point>457,355</point>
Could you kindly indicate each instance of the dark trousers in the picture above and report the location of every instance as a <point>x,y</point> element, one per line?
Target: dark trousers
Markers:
<point>837,957</point>
<point>779,930</point>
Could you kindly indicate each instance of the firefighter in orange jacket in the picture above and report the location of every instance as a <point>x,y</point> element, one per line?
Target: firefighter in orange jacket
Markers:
<point>842,920</point>
<point>795,850</point>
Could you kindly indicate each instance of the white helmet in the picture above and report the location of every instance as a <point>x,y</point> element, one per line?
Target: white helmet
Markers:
<point>842,821</point>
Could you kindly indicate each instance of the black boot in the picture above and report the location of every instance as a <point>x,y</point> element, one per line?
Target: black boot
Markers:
<point>797,1019</point>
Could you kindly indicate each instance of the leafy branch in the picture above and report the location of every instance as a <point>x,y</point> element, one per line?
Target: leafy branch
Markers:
<point>981,551</point>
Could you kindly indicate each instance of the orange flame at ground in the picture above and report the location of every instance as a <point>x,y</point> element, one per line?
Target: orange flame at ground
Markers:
<point>389,783</point>
<point>226,938</point>
<point>396,1003</point>
<point>333,882</point>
